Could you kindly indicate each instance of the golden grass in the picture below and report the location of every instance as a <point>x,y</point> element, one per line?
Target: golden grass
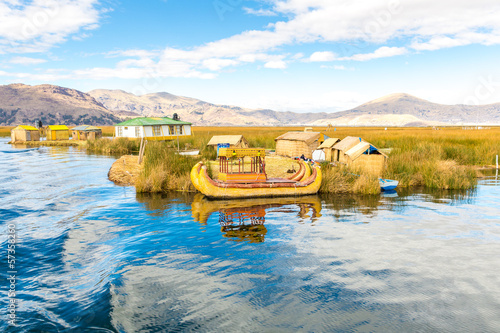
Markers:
<point>125,170</point>
<point>108,130</point>
<point>164,170</point>
<point>344,179</point>
<point>113,146</point>
<point>59,143</point>
<point>5,130</point>
<point>437,158</point>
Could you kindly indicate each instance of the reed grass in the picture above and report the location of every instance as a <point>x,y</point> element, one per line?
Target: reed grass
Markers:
<point>108,130</point>
<point>113,146</point>
<point>345,179</point>
<point>164,170</point>
<point>5,130</point>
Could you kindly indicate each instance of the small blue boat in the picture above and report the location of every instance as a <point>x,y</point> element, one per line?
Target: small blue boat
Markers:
<point>387,184</point>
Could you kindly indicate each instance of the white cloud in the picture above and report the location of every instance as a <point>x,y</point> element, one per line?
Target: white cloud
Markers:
<point>26,61</point>
<point>278,64</point>
<point>338,67</point>
<point>322,56</point>
<point>439,42</point>
<point>38,25</point>
<point>259,12</point>
<point>391,27</point>
<point>218,64</point>
<point>382,52</point>
<point>367,23</point>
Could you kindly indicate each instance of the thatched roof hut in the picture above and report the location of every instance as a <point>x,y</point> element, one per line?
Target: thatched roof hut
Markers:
<point>24,133</point>
<point>295,144</point>
<point>235,141</point>
<point>355,151</point>
<point>57,132</point>
<point>327,147</point>
<point>86,132</point>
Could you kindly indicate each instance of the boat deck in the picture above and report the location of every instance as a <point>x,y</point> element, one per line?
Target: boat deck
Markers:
<point>268,181</point>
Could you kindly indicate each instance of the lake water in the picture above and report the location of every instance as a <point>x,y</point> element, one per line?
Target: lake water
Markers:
<point>93,256</point>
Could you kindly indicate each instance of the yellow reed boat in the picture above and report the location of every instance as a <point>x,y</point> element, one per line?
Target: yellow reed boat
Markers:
<point>237,182</point>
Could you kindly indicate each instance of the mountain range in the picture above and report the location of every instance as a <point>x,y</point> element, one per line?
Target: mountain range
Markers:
<point>23,104</point>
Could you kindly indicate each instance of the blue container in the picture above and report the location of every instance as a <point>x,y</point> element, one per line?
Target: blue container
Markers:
<point>222,145</point>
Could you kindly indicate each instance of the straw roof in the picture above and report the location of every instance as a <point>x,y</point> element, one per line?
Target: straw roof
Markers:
<point>231,139</point>
<point>85,128</point>
<point>357,150</point>
<point>329,143</point>
<point>307,137</point>
<point>347,143</point>
<point>354,146</point>
<point>25,127</point>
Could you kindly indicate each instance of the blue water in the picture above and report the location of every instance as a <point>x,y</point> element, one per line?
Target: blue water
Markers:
<point>92,256</point>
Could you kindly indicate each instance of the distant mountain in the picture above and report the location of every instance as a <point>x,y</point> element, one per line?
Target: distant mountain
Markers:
<point>23,104</point>
<point>407,110</point>
<point>197,111</point>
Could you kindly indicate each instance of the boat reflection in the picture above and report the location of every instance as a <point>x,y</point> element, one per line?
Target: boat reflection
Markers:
<point>243,220</point>
<point>243,224</point>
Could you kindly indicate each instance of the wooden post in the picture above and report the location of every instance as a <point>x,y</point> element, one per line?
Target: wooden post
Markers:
<point>141,150</point>
<point>497,162</point>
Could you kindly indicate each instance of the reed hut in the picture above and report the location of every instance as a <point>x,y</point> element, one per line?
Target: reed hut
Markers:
<point>86,132</point>
<point>296,144</point>
<point>356,152</point>
<point>234,141</point>
<point>57,132</point>
<point>327,147</point>
<point>24,133</point>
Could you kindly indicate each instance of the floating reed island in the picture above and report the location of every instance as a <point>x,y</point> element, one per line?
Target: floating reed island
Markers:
<point>449,158</point>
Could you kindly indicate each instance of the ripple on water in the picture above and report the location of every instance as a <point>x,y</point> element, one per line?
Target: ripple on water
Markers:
<point>97,257</point>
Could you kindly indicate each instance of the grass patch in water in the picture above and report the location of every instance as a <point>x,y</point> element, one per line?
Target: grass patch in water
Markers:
<point>429,164</point>
<point>344,179</point>
<point>114,146</point>
<point>165,170</point>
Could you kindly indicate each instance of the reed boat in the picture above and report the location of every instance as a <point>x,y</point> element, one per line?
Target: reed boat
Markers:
<point>254,182</point>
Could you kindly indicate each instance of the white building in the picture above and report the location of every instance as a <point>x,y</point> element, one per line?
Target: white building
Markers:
<point>153,128</point>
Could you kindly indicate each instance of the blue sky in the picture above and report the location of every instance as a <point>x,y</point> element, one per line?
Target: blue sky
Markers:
<point>298,55</point>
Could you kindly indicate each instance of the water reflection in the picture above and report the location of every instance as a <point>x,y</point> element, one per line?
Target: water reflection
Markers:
<point>98,257</point>
<point>243,219</point>
<point>243,224</point>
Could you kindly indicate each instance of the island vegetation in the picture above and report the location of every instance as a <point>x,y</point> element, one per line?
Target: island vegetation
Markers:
<point>444,158</point>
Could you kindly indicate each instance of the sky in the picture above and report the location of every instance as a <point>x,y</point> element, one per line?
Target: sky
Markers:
<point>285,55</point>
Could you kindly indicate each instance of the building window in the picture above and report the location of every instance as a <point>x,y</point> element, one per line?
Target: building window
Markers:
<point>179,130</point>
<point>157,130</point>
<point>171,130</point>
<point>119,131</point>
<point>126,128</point>
<point>137,132</point>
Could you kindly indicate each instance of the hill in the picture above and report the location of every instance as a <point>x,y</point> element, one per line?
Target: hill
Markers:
<point>407,110</point>
<point>23,104</point>
<point>196,111</point>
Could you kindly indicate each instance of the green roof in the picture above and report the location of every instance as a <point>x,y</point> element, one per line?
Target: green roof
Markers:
<point>144,121</point>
